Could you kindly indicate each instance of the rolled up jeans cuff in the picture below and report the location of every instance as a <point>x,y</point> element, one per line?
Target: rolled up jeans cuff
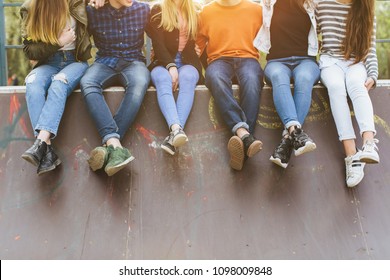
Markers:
<point>240,125</point>
<point>292,123</point>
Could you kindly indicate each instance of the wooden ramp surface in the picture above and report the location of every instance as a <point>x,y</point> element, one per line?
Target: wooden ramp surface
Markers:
<point>192,205</point>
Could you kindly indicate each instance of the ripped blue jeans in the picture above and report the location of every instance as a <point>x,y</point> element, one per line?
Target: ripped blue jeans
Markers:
<point>47,88</point>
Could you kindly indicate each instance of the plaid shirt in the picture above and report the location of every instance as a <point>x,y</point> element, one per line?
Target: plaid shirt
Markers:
<point>118,33</point>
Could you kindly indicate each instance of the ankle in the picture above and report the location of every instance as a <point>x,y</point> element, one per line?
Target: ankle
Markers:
<point>175,127</point>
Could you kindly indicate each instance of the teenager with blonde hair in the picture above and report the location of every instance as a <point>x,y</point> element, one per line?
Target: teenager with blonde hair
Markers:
<point>175,64</point>
<point>56,41</point>
<point>289,38</point>
<point>349,68</point>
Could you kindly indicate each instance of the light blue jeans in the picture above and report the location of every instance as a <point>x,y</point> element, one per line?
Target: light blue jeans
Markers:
<point>304,71</point>
<point>47,88</point>
<point>175,112</point>
<point>133,76</point>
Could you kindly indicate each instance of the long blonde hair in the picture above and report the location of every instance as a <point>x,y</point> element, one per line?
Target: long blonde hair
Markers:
<point>360,22</point>
<point>170,20</point>
<point>46,19</point>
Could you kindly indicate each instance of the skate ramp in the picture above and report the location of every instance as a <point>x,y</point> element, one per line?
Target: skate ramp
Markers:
<point>191,205</point>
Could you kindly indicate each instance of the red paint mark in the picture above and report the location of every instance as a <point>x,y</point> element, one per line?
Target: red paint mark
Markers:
<point>147,134</point>
<point>17,237</point>
<point>205,198</point>
<point>14,107</point>
<point>75,149</point>
<point>190,193</point>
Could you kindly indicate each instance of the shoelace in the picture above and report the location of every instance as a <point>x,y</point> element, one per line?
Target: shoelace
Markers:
<point>370,146</point>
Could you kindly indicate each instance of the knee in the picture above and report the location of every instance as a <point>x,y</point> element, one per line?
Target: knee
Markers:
<point>335,87</point>
<point>142,80</point>
<point>277,77</point>
<point>189,77</point>
<point>215,78</point>
<point>61,77</point>
<point>87,83</point>
<point>303,81</point>
<point>356,85</point>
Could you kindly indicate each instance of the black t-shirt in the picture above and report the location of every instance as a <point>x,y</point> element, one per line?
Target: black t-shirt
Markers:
<point>290,26</point>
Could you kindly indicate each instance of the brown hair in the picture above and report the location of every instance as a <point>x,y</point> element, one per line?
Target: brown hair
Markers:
<point>46,19</point>
<point>360,22</point>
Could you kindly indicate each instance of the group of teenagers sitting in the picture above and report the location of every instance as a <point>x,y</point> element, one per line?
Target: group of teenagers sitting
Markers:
<point>228,36</point>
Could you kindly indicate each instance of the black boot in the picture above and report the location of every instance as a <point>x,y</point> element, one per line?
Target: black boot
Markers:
<point>49,162</point>
<point>34,154</point>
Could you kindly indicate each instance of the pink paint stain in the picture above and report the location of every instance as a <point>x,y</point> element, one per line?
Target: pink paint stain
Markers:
<point>14,107</point>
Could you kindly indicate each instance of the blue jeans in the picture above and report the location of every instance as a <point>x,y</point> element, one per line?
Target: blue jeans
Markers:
<point>133,76</point>
<point>292,109</point>
<point>249,75</point>
<point>175,112</point>
<point>47,88</point>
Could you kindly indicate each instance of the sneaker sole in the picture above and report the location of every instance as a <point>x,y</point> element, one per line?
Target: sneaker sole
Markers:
<point>96,159</point>
<point>52,167</point>
<point>236,151</point>
<point>309,147</point>
<point>368,159</point>
<point>31,159</point>
<point>277,161</point>
<point>112,170</point>
<point>167,150</point>
<point>254,148</point>
<point>179,141</point>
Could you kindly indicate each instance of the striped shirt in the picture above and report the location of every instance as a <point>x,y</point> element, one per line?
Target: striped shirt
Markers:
<point>331,19</point>
<point>118,33</point>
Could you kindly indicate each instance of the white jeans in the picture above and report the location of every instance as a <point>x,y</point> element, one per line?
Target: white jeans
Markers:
<point>342,78</point>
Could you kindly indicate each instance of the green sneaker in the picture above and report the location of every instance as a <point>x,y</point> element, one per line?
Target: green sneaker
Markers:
<point>117,159</point>
<point>98,158</point>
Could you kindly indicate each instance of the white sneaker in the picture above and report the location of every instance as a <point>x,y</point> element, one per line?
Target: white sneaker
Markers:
<point>369,153</point>
<point>354,169</point>
<point>179,138</point>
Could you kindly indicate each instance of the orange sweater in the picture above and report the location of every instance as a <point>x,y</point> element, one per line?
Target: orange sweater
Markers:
<point>229,30</point>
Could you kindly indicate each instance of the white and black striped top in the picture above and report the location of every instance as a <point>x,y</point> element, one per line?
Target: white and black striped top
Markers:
<point>331,20</point>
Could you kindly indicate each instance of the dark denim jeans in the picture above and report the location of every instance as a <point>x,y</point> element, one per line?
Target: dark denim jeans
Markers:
<point>249,75</point>
<point>133,76</point>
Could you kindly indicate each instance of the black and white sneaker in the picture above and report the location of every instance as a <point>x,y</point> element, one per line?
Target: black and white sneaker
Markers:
<point>167,145</point>
<point>251,145</point>
<point>282,153</point>
<point>354,169</point>
<point>302,143</point>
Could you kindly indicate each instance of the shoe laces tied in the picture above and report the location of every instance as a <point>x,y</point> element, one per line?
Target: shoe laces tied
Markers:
<point>370,145</point>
